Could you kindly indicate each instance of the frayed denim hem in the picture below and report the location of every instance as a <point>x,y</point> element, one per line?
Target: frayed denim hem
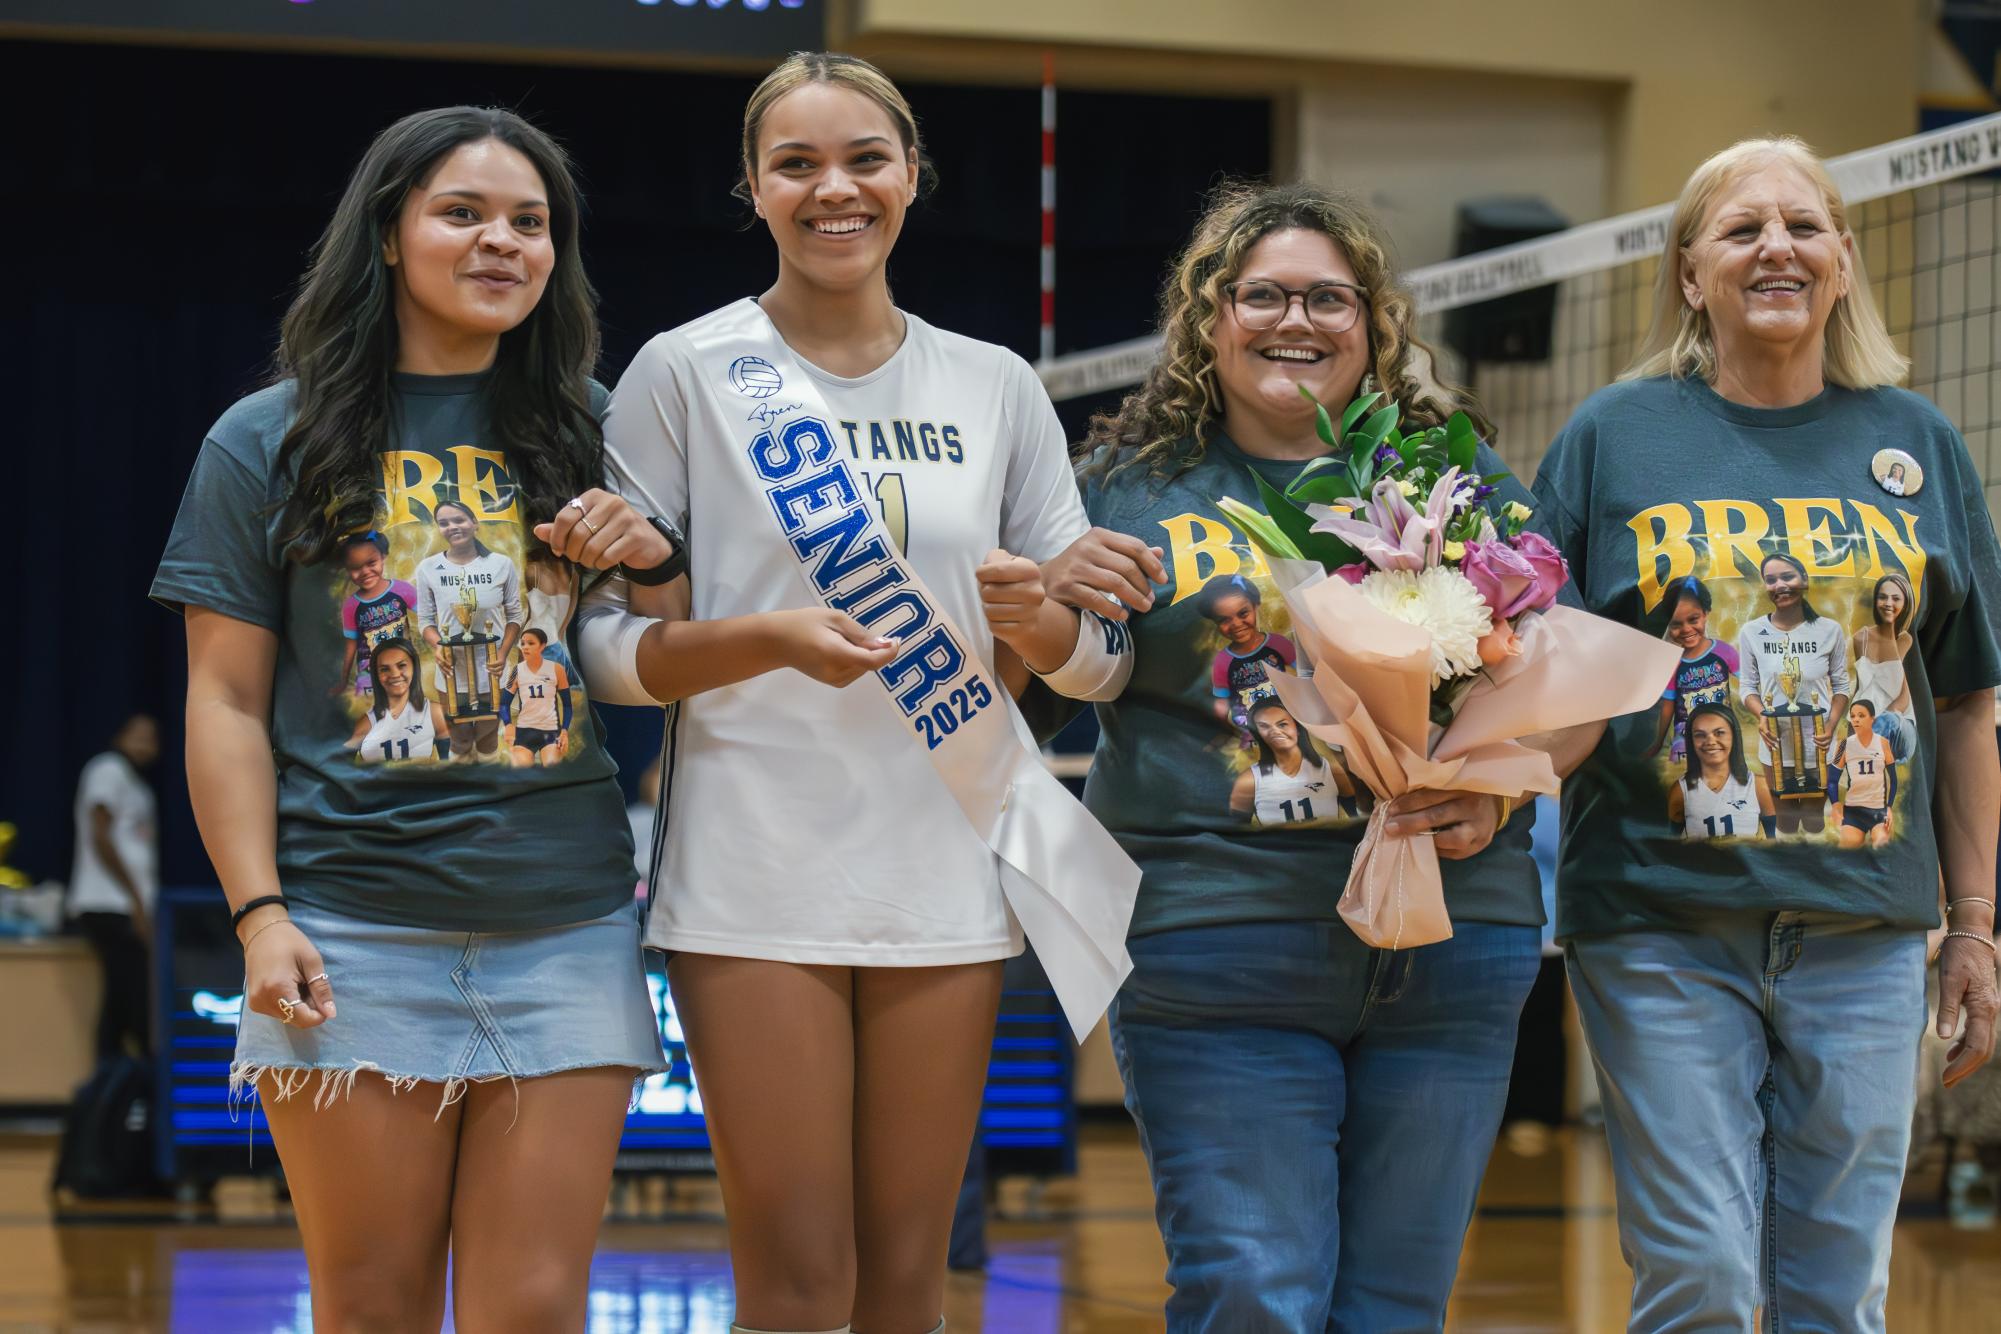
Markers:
<point>336,1082</point>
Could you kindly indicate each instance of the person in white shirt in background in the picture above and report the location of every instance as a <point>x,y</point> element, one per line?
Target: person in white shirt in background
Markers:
<point>114,880</point>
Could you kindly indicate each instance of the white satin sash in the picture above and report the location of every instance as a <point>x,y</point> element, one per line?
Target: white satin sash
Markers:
<point>1069,884</point>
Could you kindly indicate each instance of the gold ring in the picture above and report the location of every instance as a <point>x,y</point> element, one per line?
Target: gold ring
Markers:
<point>586,522</point>
<point>285,1007</point>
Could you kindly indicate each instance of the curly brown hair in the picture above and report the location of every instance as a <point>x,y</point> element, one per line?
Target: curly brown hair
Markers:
<point>1165,423</point>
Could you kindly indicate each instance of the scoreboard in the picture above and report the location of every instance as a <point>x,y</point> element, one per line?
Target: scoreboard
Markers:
<point>513,29</point>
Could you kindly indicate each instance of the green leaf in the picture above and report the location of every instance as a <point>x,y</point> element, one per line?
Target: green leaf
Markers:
<point>1462,444</point>
<point>1353,412</point>
<point>1330,551</point>
<point>1292,521</point>
<point>1496,478</point>
<point>1324,490</point>
<point>1380,425</point>
<point>1328,461</point>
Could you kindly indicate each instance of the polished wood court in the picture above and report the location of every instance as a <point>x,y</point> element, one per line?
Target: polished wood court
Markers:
<point>1072,1256</point>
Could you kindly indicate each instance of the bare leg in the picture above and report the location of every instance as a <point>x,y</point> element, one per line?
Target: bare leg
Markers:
<point>532,1181</point>
<point>371,1178</point>
<point>773,1050</point>
<point>922,1039</point>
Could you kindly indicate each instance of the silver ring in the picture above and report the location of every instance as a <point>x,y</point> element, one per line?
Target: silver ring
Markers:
<point>316,977</point>
<point>285,1007</point>
<point>577,504</point>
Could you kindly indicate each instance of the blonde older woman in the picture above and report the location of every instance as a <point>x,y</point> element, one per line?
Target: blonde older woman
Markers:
<point>1754,1004</point>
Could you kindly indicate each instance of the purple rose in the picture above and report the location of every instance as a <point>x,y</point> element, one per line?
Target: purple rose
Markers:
<point>1552,571</point>
<point>1503,577</point>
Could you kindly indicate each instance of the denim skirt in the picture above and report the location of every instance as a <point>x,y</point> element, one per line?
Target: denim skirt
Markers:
<point>451,1007</point>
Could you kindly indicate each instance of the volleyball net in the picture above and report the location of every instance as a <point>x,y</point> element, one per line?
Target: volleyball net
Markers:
<point>1926,214</point>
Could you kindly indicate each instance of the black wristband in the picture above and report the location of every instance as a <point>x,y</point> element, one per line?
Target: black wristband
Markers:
<point>668,570</point>
<point>263,901</point>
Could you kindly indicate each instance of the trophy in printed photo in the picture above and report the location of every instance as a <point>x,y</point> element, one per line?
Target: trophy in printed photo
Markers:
<point>473,665</point>
<point>1799,757</point>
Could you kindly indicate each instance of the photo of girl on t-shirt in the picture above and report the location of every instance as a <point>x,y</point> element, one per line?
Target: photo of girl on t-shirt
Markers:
<point>1291,782</point>
<point>1717,796</point>
<point>1249,654</point>
<point>377,610</point>
<point>1706,672</point>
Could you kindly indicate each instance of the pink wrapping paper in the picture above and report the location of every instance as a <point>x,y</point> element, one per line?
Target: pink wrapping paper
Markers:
<point>1370,695</point>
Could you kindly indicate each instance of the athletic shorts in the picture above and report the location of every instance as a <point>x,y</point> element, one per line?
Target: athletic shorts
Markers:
<point>1864,818</point>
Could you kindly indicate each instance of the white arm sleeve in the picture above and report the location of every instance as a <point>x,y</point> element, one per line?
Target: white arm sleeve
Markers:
<point>1099,666</point>
<point>605,639</point>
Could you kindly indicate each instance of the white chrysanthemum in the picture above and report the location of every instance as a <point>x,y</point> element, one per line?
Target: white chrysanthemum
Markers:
<point>1439,600</point>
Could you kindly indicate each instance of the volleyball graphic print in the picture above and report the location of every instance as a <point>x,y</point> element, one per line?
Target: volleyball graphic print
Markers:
<point>754,377</point>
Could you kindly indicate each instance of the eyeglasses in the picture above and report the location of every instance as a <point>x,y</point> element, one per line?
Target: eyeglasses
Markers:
<point>1330,307</point>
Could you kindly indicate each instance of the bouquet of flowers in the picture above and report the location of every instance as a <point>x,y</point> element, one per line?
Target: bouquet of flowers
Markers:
<point>1438,652</point>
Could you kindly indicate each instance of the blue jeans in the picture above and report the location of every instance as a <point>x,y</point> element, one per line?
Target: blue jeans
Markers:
<point>1317,1115</point>
<point>1759,1078</point>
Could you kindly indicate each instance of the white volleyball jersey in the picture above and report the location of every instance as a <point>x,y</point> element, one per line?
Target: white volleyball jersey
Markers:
<point>1804,667</point>
<point>1730,813</point>
<point>1308,795</point>
<point>406,734</point>
<point>535,696</point>
<point>1867,770</point>
<point>806,823</point>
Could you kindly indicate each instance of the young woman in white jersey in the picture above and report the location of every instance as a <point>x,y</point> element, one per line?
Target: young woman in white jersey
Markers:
<point>1719,797</point>
<point>836,916</point>
<point>402,724</point>
<point>536,709</point>
<point>1862,808</point>
<point>466,574</point>
<point>1290,774</point>
<point>1793,657</point>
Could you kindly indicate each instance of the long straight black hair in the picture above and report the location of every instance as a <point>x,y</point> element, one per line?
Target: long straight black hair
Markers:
<point>339,342</point>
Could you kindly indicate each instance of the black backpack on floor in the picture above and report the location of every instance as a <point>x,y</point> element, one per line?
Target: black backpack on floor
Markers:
<point>107,1148</point>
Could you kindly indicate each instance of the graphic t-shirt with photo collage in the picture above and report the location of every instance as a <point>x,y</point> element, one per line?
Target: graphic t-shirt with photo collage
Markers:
<point>1232,810</point>
<point>437,762</point>
<point>1792,762</point>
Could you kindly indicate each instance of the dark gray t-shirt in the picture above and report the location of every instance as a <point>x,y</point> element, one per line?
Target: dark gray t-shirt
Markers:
<point>1855,503</point>
<point>479,798</point>
<point>1191,769</point>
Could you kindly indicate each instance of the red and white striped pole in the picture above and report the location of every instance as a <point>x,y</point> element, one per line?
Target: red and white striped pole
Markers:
<point>1048,343</point>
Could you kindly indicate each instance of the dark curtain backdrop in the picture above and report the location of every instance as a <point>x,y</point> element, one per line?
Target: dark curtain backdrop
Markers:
<point>163,203</point>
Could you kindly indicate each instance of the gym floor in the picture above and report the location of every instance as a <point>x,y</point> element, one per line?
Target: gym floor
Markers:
<point>1079,1256</point>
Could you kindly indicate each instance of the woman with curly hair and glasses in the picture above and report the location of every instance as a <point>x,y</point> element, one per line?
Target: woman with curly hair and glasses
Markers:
<point>1316,1113</point>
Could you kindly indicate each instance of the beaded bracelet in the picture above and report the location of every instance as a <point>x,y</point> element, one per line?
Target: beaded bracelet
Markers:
<point>1988,941</point>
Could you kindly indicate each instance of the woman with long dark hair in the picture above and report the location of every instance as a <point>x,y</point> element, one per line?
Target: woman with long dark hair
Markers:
<point>467,1095</point>
<point>401,724</point>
